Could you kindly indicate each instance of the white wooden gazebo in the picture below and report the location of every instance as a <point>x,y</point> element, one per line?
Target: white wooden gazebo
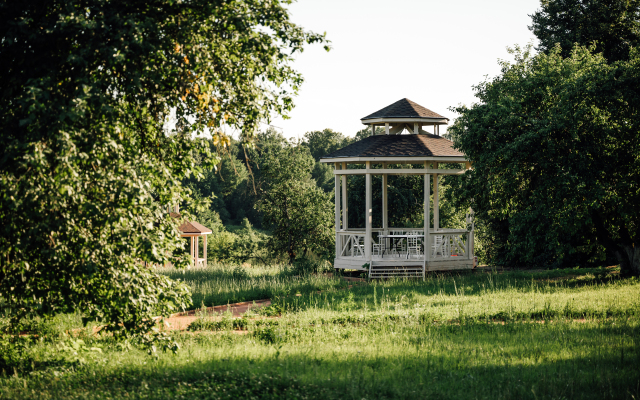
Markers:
<point>371,248</point>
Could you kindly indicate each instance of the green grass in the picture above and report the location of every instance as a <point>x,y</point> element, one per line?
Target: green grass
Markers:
<point>220,284</point>
<point>520,335</point>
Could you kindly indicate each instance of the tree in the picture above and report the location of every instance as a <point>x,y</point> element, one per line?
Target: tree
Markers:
<point>88,167</point>
<point>321,143</point>
<point>555,144</point>
<point>301,218</point>
<point>299,214</point>
<point>613,24</point>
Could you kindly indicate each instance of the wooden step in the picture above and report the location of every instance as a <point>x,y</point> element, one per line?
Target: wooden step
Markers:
<point>393,271</point>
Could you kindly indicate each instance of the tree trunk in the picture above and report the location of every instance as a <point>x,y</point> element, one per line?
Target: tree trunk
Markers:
<point>629,258</point>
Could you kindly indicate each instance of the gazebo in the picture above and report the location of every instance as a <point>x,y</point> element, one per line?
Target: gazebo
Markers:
<point>396,251</point>
<point>194,230</point>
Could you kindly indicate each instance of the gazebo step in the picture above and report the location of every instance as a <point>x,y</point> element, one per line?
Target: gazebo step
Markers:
<point>395,271</point>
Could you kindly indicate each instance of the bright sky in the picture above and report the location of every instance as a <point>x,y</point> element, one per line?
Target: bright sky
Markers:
<point>431,52</point>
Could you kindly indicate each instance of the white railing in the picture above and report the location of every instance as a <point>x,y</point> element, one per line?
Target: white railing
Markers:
<point>445,244</point>
<point>449,244</point>
<point>351,244</point>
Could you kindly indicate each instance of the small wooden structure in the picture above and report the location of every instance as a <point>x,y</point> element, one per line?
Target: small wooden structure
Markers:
<point>194,230</point>
<point>441,248</point>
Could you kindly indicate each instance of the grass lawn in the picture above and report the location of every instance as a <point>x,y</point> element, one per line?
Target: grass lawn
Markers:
<point>517,335</point>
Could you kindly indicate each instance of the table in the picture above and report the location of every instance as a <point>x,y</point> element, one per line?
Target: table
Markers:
<point>397,239</point>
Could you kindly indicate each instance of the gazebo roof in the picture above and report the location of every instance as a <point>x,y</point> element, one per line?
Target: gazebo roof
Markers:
<point>422,146</point>
<point>191,227</point>
<point>404,110</point>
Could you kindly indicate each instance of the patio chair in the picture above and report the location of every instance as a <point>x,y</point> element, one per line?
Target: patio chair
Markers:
<point>414,246</point>
<point>358,246</point>
<point>379,248</point>
<point>436,248</point>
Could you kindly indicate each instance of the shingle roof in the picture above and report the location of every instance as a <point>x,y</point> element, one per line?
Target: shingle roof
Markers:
<point>404,108</point>
<point>190,226</point>
<point>399,146</point>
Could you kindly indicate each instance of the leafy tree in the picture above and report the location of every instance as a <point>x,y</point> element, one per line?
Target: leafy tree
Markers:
<point>301,218</point>
<point>299,214</point>
<point>555,147</point>
<point>87,166</point>
<point>321,143</point>
<point>613,24</point>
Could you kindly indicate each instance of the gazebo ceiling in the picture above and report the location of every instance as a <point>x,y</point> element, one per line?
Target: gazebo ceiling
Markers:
<point>422,146</point>
<point>402,111</point>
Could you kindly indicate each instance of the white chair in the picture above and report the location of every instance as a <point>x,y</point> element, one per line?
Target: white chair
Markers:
<point>358,246</point>
<point>379,248</point>
<point>437,247</point>
<point>413,244</point>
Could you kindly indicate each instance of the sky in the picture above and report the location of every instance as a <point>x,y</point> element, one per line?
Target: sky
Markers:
<point>431,52</point>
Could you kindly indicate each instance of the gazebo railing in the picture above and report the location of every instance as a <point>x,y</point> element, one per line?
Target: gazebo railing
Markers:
<point>445,244</point>
<point>449,243</point>
<point>351,244</point>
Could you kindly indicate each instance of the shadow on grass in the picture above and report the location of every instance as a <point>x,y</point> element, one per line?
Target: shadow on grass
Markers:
<point>462,362</point>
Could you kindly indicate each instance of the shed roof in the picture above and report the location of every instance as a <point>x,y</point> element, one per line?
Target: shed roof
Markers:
<point>404,108</point>
<point>398,146</point>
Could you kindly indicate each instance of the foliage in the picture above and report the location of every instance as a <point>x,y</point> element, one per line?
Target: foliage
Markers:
<point>88,167</point>
<point>555,146</point>
<point>613,24</point>
<point>321,143</point>
<point>301,218</point>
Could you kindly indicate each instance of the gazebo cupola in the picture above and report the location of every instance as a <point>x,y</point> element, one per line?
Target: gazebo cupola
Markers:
<point>405,115</point>
<point>386,250</point>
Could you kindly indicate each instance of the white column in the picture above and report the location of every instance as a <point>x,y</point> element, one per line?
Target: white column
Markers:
<point>436,200</point>
<point>373,130</point>
<point>368,219</point>
<point>196,251</point>
<point>337,211</point>
<point>191,250</point>
<point>204,245</point>
<point>415,128</point>
<point>427,214</point>
<point>386,128</point>
<point>385,203</point>
<point>345,201</point>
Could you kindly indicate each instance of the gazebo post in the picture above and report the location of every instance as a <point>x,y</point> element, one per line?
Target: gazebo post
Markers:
<point>337,198</point>
<point>367,237</point>
<point>436,200</point>
<point>427,215</point>
<point>204,249</point>
<point>345,201</point>
<point>197,239</point>
<point>385,203</point>
<point>191,250</point>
